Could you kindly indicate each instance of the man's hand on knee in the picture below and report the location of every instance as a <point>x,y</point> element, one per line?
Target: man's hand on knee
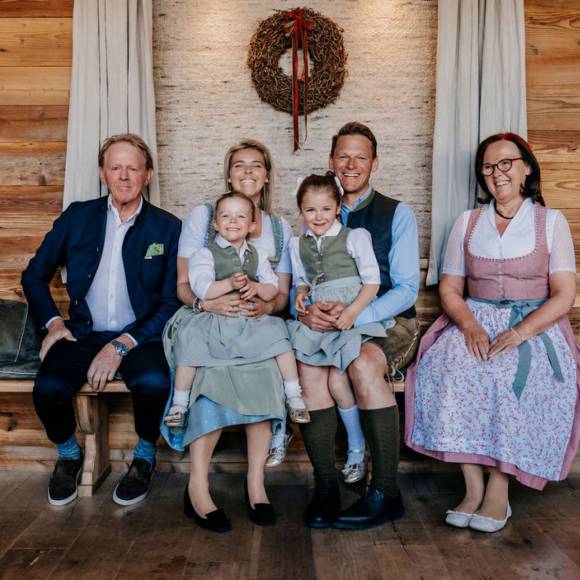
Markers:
<point>319,318</point>
<point>56,331</point>
<point>104,367</point>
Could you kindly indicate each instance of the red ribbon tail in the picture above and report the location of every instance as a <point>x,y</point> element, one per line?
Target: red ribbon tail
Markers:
<point>305,78</point>
<point>295,93</point>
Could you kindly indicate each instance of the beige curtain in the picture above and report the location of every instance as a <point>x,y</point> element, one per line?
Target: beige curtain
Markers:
<point>111,88</point>
<point>480,91</point>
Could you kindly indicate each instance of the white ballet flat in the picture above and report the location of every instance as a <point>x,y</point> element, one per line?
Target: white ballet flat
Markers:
<point>458,519</point>
<point>489,525</point>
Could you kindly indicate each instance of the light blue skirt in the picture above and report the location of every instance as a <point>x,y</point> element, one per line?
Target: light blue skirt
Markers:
<point>204,417</point>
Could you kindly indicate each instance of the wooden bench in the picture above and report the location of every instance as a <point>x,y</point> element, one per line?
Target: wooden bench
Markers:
<point>106,422</point>
<point>93,422</point>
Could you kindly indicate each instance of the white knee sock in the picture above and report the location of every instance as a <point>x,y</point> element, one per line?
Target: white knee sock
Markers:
<point>356,439</point>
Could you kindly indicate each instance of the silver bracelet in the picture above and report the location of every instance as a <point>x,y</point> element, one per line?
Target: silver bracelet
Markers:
<point>522,339</point>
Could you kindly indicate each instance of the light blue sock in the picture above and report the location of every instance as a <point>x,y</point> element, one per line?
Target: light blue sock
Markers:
<point>356,439</point>
<point>145,450</point>
<point>69,449</point>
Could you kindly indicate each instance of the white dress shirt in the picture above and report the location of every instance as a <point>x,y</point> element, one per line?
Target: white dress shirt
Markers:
<point>202,268</point>
<point>108,297</point>
<point>358,245</point>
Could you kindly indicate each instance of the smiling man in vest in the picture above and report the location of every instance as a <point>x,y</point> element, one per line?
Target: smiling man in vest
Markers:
<point>120,253</point>
<point>393,229</point>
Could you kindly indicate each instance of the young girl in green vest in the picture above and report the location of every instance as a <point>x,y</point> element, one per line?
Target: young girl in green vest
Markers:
<point>231,264</point>
<point>332,263</point>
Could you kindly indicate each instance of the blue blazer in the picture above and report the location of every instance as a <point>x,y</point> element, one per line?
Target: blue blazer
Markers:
<point>76,241</point>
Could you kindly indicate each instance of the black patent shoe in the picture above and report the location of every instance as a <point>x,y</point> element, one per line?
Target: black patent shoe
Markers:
<point>215,521</point>
<point>373,509</point>
<point>134,486</point>
<point>262,514</point>
<point>63,484</point>
<point>324,505</point>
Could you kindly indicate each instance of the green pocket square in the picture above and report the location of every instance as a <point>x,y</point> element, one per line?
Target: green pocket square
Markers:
<point>154,250</point>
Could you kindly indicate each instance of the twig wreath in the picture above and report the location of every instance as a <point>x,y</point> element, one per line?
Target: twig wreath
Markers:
<point>320,39</point>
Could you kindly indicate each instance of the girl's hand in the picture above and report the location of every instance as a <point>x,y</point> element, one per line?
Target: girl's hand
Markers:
<point>300,303</point>
<point>346,319</point>
<point>249,290</point>
<point>505,342</point>
<point>477,341</point>
<point>238,280</point>
<point>227,305</point>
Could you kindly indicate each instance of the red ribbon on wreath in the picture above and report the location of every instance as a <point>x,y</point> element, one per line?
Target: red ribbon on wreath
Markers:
<point>298,29</point>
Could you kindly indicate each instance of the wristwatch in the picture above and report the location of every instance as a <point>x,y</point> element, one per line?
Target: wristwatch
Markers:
<point>196,306</point>
<point>120,348</point>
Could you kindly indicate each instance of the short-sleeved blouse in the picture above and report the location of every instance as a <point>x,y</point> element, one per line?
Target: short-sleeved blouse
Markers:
<point>195,228</point>
<point>517,240</point>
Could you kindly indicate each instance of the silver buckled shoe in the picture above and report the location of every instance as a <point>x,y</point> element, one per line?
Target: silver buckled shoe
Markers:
<point>353,472</point>
<point>277,454</point>
<point>297,410</point>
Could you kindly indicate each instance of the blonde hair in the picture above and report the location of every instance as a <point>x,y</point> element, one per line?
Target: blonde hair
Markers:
<point>266,193</point>
<point>132,139</point>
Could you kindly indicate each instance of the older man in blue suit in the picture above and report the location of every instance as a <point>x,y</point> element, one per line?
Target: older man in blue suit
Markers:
<point>120,256</point>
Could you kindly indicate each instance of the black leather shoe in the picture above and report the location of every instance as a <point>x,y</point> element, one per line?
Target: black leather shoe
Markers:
<point>372,509</point>
<point>134,486</point>
<point>215,521</point>
<point>63,484</point>
<point>324,506</point>
<point>262,514</point>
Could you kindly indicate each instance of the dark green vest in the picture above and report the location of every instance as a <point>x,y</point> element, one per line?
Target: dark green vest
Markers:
<point>227,261</point>
<point>375,215</point>
<point>331,263</point>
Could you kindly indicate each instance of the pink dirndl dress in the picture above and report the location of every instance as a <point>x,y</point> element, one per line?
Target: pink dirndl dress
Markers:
<point>462,410</point>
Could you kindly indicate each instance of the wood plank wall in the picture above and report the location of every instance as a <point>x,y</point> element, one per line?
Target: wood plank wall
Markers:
<point>553,100</point>
<point>35,66</point>
<point>35,63</point>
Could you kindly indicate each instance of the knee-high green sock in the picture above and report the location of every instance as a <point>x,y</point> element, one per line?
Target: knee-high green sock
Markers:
<point>319,438</point>
<point>381,430</point>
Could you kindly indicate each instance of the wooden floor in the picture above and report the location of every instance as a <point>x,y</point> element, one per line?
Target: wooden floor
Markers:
<point>94,538</point>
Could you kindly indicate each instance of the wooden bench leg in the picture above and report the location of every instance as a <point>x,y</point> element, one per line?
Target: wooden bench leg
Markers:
<point>93,420</point>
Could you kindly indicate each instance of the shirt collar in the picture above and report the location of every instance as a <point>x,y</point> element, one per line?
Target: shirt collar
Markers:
<point>334,230</point>
<point>223,243</point>
<point>115,211</point>
<point>361,198</point>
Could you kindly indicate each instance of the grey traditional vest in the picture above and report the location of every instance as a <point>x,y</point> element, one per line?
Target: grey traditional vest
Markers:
<point>375,215</point>
<point>227,261</point>
<point>277,230</point>
<point>331,263</point>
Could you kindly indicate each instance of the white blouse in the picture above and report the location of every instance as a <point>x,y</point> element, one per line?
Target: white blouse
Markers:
<point>518,239</point>
<point>195,228</point>
<point>202,268</point>
<point>358,245</point>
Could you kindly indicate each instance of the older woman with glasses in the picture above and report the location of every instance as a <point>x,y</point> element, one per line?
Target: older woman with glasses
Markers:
<point>496,380</point>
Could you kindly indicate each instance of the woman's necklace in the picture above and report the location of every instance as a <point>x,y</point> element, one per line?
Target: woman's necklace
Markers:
<point>505,217</point>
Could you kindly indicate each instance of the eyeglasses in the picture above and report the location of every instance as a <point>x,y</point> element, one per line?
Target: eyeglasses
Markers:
<point>504,165</point>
